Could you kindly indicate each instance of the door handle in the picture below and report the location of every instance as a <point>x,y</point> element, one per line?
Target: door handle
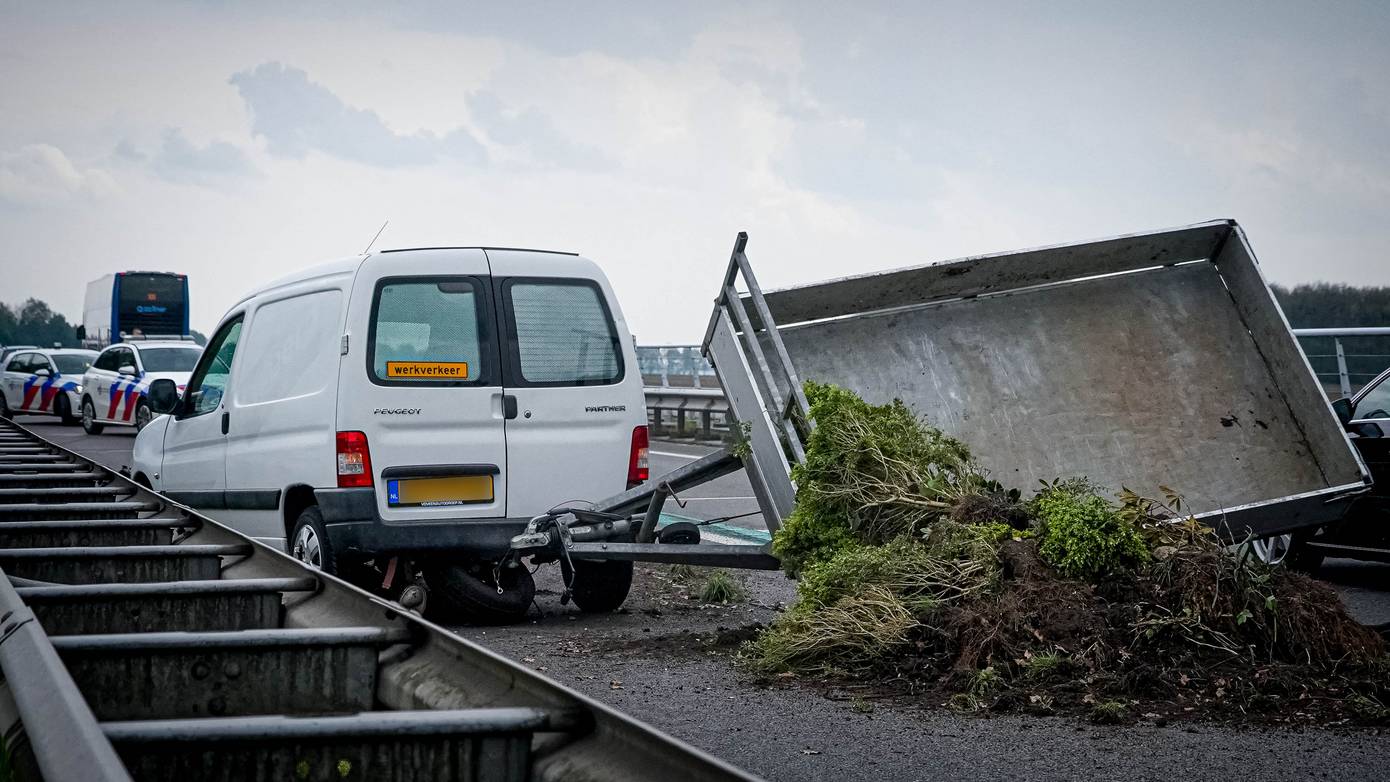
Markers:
<point>226,422</point>
<point>508,406</point>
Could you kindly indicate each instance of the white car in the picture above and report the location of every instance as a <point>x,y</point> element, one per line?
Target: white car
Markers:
<point>117,384</point>
<point>412,409</point>
<point>44,382</point>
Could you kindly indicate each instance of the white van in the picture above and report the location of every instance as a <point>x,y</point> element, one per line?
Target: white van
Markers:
<point>407,411</point>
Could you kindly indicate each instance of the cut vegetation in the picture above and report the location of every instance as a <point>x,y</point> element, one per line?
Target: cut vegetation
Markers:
<point>917,570</point>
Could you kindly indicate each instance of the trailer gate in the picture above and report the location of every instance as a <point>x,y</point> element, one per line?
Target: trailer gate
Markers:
<point>141,640</point>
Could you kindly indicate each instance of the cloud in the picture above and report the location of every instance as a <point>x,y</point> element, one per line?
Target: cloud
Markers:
<point>41,174</point>
<point>179,160</point>
<point>533,132</point>
<point>297,116</point>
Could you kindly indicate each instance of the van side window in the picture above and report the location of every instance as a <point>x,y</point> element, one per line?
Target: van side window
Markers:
<point>209,381</point>
<point>429,331</point>
<point>564,333</point>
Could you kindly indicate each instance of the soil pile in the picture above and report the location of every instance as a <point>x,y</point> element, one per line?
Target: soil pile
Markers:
<point>917,569</point>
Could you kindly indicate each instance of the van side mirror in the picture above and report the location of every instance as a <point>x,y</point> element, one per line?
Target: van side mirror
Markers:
<point>1344,410</point>
<point>127,369</point>
<point>164,397</point>
<point>42,372</point>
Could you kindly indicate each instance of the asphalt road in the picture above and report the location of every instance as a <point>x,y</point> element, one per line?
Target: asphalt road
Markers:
<point>655,660</point>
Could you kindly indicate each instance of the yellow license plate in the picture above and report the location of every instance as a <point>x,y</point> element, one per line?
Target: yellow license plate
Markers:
<point>455,490</point>
<point>428,370</point>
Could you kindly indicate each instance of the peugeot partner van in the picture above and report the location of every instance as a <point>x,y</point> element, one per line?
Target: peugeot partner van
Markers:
<point>406,412</point>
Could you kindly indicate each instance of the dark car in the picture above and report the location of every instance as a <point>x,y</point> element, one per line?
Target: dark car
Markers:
<point>1364,532</point>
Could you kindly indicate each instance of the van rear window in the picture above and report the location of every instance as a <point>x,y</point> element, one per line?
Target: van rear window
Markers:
<point>429,331</point>
<point>564,333</point>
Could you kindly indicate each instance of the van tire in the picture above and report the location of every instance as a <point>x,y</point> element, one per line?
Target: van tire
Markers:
<point>600,586</point>
<point>309,541</point>
<point>5,411</point>
<point>457,595</point>
<point>89,417</point>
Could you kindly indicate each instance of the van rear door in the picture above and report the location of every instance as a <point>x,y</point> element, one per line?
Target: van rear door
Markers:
<point>422,381</point>
<point>571,369</point>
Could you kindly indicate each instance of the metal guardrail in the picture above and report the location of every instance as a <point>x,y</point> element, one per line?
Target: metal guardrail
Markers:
<point>1326,349</point>
<point>702,413</point>
<point>142,640</point>
<point>675,366</point>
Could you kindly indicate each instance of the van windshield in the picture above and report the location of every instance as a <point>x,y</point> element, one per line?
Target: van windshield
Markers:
<point>430,331</point>
<point>169,359</point>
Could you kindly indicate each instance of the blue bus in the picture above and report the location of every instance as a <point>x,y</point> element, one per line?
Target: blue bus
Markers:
<point>131,304</point>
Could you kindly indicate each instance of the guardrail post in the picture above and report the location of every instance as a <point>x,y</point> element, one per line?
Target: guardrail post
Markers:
<point>1342,367</point>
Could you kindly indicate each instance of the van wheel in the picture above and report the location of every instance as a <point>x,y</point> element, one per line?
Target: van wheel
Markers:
<point>63,409</point>
<point>5,411</point>
<point>460,594</point>
<point>89,417</point>
<point>309,542</point>
<point>600,587</point>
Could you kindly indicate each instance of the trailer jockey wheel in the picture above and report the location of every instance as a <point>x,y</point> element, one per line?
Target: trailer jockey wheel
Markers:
<point>681,533</point>
<point>600,586</point>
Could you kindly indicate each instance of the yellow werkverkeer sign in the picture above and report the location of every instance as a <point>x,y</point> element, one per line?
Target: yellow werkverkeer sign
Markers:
<point>428,370</point>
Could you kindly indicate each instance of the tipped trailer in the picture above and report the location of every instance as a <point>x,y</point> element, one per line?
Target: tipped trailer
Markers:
<point>141,640</point>
<point>1140,361</point>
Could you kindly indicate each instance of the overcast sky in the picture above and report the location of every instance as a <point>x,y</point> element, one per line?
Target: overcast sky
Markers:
<point>238,141</point>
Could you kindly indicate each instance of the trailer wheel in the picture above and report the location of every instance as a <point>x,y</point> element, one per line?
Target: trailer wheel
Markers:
<point>1289,550</point>
<point>601,586</point>
<point>461,594</point>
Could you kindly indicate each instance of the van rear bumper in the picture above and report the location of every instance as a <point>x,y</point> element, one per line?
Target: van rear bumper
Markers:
<point>353,524</point>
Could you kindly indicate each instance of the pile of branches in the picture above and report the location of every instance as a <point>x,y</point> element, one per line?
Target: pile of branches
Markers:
<point>913,564</point>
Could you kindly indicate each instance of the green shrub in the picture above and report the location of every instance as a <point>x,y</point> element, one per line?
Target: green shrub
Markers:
<point>918,575</point>
<point>1082,535</point>
<point>854,635</point>
<point>871,474</point>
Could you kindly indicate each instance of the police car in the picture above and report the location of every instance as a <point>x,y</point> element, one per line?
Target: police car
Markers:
<point>117,382</point>
<point>44,382</point>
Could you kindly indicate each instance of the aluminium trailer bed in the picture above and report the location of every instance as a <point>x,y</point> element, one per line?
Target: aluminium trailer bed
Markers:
<point>1147,360</point>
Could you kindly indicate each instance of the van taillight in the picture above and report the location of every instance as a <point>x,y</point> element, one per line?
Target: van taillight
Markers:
<point>354,461</point>
<point>637,469</point>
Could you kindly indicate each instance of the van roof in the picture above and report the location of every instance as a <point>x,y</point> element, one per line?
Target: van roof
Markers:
<point>484,248</point>
<point>351,263</point>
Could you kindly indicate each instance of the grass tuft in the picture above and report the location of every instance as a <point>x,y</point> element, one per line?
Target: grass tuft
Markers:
<point>720,587</point>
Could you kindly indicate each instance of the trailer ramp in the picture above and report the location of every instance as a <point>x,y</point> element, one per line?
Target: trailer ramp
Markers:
<point>1155,359</point>
<point>141,640</point>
